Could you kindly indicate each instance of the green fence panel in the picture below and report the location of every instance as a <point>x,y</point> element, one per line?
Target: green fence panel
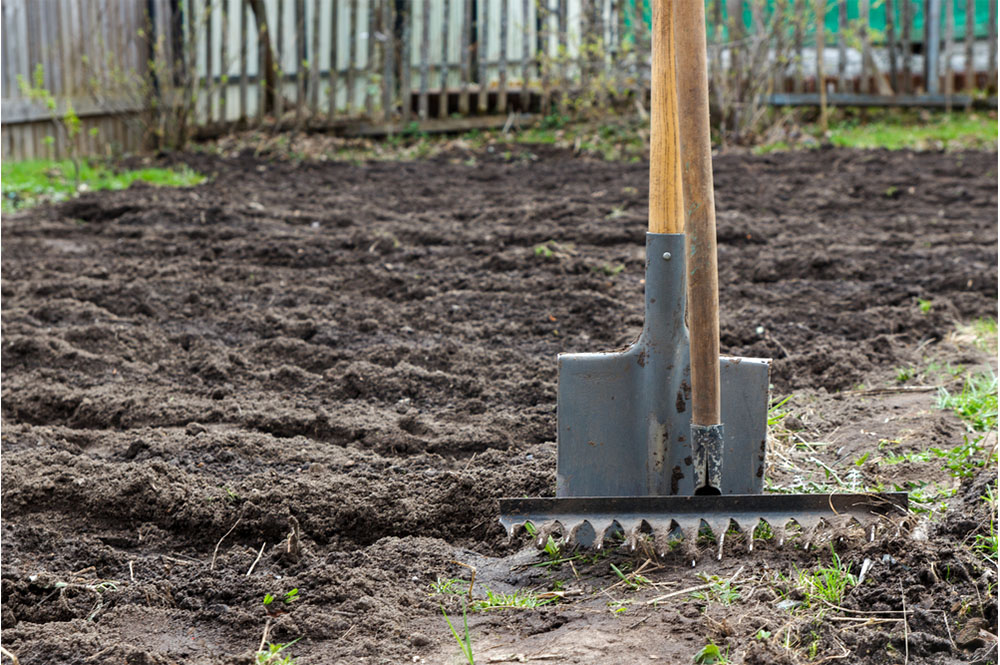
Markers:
<point>877,17</point>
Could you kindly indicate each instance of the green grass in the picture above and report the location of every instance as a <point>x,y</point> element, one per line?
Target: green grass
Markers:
<point>272,654</point>
<point>465,639</point>
<point>711,654</point>
<point>32,182</point>
<point>828,583</point>
<point>896,129</point>
<point>902,130</point>
<point>976,403</point>
<point>498,600</point>
<point>718,591</point>
<point>987,544</point>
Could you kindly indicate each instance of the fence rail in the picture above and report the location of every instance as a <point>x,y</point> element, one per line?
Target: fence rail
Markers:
<point>142,71</point>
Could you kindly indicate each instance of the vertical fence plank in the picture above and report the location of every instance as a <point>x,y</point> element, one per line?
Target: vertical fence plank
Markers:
<point>482,52</point>
<point>352,31</point>
<point>502,68</point>
<point>371,67</point>
<point>264,39</point>
<point>244,75</point>
<point>405,65</point>
<point>445,40</point>
<point>545,55</point>
<point>864,10</point>
<point>991,26</point>
<point>224,61</point>
<point>842,29</point>
<point>331,111</point>
<point>314,64</point>
<point>425,39</point>
<point>209,78</point>
<point>279,63</point>
<point>301,56</point>
<point>388,67</point>
<point>643,45</point>
<point>932,46</point>
<point>970,38</point>
<point>890,43</point>
<point>526,57</point>
<point>780,69</point>
<point>562,55</point>
<point>949,51</point>
<point>601,51</point>
<point>821,60</point>
<point>465,46</point>
<point>798,39</point>
<point>906,19</point>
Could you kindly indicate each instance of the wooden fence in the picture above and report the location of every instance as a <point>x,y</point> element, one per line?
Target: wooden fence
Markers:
<point>137,71</point>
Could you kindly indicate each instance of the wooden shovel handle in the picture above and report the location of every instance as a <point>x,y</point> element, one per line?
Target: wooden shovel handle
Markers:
<point>699,208</point>
<point>665,194</point>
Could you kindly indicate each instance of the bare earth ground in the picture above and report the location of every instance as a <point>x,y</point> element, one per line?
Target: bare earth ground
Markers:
<point>364,356</point>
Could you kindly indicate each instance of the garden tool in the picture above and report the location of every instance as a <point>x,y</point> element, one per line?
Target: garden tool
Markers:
<point>665,437</point>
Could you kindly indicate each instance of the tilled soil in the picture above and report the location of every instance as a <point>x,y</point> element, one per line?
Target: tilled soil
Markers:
<point>322,376</point>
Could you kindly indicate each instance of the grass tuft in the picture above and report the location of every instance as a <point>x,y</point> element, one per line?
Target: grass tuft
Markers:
<point>976,404</point>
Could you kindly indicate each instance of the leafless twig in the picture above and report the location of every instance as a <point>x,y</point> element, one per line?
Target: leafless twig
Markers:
<point>259,555</point>
<point>215,554</point>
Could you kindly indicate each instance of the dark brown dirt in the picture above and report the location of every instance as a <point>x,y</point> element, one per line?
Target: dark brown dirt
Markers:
<point>365,355</point>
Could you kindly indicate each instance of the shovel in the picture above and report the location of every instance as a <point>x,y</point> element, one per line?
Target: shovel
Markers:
<point>666,438</point>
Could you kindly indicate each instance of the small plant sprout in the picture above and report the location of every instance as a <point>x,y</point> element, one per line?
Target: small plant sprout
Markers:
<point>987,543</point>
<point>711,654</point>
<point>924,305</point>
<point>519,599</point>
<point>828,583</point>
<point>272,654</point>
<point>552,547</point>
<point>450,586</point>
<point>719,591</point>
<point>465,639</point>
<point>633,580</point>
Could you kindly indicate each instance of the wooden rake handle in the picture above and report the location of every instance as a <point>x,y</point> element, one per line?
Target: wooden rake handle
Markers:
<point>699,209</point>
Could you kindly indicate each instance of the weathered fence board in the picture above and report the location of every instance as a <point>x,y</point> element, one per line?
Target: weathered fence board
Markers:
<point>384,62</point>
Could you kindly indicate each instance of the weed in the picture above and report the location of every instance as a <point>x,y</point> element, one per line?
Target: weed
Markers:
<point>984,331</point>
<point>904,374</point>
<point>450,586</point>
<point>763,532</point>
<point>775,414</point>
<point>464,640</point>
<point>519,599</point>
<point>634,581</point>
<point>719,590</point>
<point>963,461</point>
<point>987,544</point>
<point>289,597</point>
<point>762,635</point>
<point>977,403</point>
<point>613,269</point>
<point>272,654</point>
<point>924,305</point>
<point>551,544</point>
<point>830,582</point>
<point>711,654</point>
